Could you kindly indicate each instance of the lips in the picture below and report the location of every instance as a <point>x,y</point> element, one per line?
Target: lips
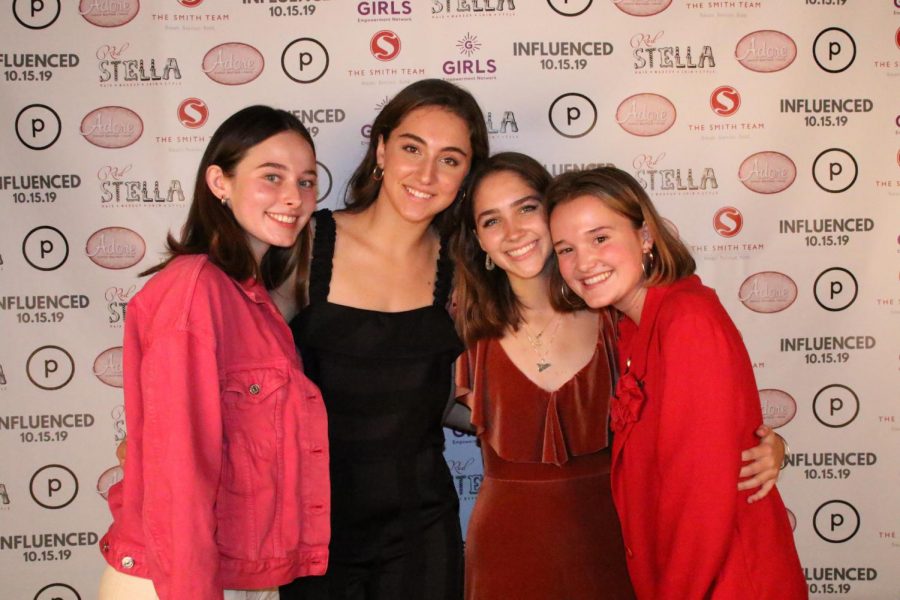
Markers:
<point>595,279</point>
<point>523,250</point>
<point>417,194</point>
<point>285,219</point>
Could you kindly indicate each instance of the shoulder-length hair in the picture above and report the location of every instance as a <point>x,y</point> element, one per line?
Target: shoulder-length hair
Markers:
<point>211,228</point>
<point>362,189</point>
<point>486,304</point>
<point>622,193</point>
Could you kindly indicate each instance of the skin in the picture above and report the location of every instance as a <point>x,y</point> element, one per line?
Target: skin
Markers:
<point>272,192</point>
<point>599,252</point>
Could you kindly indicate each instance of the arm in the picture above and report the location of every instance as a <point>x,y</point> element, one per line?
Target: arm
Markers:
<point>701,391</point>
<point>765,467</point>
<point>182,464</point>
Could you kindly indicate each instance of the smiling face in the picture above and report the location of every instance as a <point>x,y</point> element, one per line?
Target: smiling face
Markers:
<point>272,191</point>
<point>425,159</point>
<point>511,224</point>
<point>600,253</point>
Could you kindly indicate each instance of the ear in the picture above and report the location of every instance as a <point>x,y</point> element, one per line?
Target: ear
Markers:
<point>379,152</point>
<point>217,182</point>
<point>646,238</point>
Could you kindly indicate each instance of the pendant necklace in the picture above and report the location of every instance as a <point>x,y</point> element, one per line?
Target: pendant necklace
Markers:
<point>537,342</point>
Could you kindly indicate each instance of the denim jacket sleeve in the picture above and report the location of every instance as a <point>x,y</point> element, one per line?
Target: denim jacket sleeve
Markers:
<point>180,391</point>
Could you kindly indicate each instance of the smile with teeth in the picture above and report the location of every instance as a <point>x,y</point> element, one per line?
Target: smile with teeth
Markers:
<point>523,250</point>
<point>597,278</point>
<point>417,194</point>
<point>286,219</point>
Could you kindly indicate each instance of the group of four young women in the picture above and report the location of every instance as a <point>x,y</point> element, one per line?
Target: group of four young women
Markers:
<point>229,466</point>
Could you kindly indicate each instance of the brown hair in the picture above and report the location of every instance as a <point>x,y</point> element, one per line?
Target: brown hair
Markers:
<point>622,193</point>
<point>486,303</point>
<point>362,189</point>
<point>211,228</point>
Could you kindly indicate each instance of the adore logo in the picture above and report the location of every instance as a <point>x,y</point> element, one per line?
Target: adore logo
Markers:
<point>112,127</point>
<point>767,172</point>
<point>728,221</point>
<point>768,292</point>
<point>109,478</point>
<point>109,13</point>
<point>725,100</point>
<point>304,60</point>
<point>108,367</point>
<point>193,113</point>
<point>38,126</point>
<point>646,114</point>
<point>115,248</point>
<point>36,14</point>
<point>385,45</point>
<point>233,63</point>
<point>766,51</point>
<point>642,8</point>
<point>778,407</point>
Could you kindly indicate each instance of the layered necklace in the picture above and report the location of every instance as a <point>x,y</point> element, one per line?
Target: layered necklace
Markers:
<point>538,343</point>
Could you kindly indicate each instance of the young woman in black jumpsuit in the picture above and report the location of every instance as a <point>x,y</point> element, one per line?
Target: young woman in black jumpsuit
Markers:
<point>377,339</point>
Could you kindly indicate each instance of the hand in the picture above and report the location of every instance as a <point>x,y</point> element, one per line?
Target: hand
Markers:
<point>764,463</point>
<point>120,452</point>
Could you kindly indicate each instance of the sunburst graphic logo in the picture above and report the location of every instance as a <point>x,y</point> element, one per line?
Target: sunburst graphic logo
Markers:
<point>468,45</point>
<point>382,103</point>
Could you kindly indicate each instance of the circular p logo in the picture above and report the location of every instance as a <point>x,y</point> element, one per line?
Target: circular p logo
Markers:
<point>38,126</point>
<point>834,50</point>
<point>45,248</point>
<point>836,521</point>
<point>54,486</point>
<point>835,170</point>
<point>573,115</point>
<point>50,367</point>
<point>304,60</point>
<point>835,405</point>
<point>835,289</point>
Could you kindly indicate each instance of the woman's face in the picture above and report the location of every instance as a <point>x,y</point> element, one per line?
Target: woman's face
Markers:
<point>272,191</point>
<point>511,224</point>
<point>425,159</point>
<point>600,253</point>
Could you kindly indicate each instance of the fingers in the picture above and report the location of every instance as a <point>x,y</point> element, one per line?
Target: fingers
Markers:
<point>120,452</point>
<point>762,493</point>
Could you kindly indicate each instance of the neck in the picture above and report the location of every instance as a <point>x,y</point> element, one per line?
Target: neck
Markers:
<point>633,304</point>
<point>534,294</point>
<point>388,230</point>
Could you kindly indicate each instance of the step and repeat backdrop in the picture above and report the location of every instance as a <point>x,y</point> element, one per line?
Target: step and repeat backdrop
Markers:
<point>767,131</point>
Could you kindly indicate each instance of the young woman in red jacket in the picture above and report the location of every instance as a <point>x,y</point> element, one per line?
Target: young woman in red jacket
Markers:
<point>685,405</point>
<point>226,483</point>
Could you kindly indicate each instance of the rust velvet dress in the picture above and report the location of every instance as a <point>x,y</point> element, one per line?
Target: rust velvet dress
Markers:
<point>544,525</point>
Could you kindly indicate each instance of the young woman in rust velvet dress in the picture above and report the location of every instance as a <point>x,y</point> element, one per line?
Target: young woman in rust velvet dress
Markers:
<point>537,378</point>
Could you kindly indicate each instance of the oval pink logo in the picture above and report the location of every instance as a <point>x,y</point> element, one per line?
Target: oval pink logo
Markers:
<point>767,172</point>
<point>109,478</point>
<point>115,248</point>
<point>112,127</point>
<point>108,366</point>
<point>766,51</point>
<point>233,63</point>
<point>778,407</point>
<point>642,8</point>
<point>768,292</point>
<point>109,14</point>
<point>646,114</point>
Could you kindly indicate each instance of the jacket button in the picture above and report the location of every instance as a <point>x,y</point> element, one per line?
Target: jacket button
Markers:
<point>127,562</point>
<point>106,546</point>
<point>254,389</point>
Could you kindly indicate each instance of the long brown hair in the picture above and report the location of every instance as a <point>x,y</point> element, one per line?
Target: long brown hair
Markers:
<point>362,189</point>
<point>211,228</point>
<point>622,193</point>
<point>486,304</point>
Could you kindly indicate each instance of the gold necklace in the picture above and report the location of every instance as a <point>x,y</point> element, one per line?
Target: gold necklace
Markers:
<point>537,343</point>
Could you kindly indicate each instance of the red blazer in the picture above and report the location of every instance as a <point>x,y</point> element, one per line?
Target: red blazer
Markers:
<point>685,408</point>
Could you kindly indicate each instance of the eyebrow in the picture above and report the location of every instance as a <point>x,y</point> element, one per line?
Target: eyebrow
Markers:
<point>281,167</point>
<point>416,138</point>
<point>518,202</point>
<point>588,232</point>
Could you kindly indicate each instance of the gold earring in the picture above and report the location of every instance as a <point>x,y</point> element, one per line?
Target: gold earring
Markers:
<point>377,173</point>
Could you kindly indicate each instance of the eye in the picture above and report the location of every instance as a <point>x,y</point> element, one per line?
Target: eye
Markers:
<point>306,183</point>
<point>449,160</point>
<point>272,177</point>
<point>563,250</point>
<point>600,239</point>
<point>529,208</point>
<point>412,149</point>
<point>489,222</point>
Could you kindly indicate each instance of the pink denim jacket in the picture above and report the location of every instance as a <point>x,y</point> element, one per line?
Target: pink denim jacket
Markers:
<point>226,481</point>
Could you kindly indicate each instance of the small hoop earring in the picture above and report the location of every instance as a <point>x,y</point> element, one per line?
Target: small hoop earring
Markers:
<point>647,266</point>
<point>377,173</point>
<point>224,200</point>
<point>564,290</point>
<point>488,263</point>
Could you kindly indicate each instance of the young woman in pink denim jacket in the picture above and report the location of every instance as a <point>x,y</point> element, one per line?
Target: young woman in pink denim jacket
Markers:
<point>226,483</point>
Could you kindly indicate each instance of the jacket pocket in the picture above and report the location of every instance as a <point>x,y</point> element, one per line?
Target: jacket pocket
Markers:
<point>252,402</point>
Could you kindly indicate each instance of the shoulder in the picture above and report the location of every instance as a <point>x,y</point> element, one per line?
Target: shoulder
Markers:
<point>689,306</point>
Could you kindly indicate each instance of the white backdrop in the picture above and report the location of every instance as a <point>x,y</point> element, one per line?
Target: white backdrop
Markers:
<point>767,131</point>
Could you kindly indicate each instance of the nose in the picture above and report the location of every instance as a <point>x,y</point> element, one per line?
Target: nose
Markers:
<point>584,261</point>
<point>511,228</point>
<point>427,171</point>
<point>292,196</point>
